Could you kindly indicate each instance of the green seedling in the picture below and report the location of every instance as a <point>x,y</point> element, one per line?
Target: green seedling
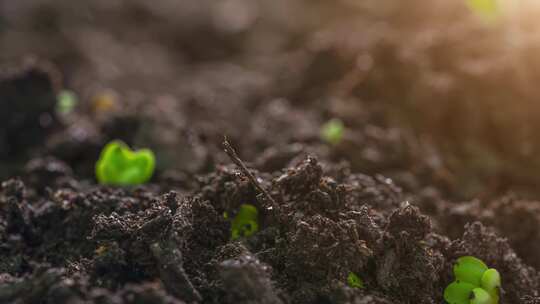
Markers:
<point>332,131</point>
<point>488,10</point>
<point>354,281</point>
<point>66,102</point>
<point>119,165</point>
<point>245,223</point>
<point>474,283</point>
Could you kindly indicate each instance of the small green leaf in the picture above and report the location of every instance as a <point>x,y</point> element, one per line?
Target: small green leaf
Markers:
<point>332,131</point>
<point>354,280</point>
<point>119,165</point>
<point>458,292</point>
<point>480,296</point>
<point>469,269</point>
<point>491,280</point>
<point>487,9</point>
<point>245,223</point>
<point>66,102</point>
<point>475,283</point>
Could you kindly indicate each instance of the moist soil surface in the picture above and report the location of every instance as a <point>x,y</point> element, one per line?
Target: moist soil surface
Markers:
<point>438,159</point>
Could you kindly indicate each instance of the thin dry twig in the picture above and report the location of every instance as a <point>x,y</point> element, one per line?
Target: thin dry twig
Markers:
<point>234,157</point>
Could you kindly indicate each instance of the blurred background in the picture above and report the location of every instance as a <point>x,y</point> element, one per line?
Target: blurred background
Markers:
<point>431,92</point>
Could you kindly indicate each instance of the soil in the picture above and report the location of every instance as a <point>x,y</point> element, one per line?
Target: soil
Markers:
<point>438,159</point>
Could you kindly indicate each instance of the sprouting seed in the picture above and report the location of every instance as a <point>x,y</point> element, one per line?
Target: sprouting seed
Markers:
<point>119,165</point>
<point>474,283</point>
<point>66,102</point>
<point>245,223</point>
<point>488,10</point>
<point>332,131</point>
<point>354,281</point>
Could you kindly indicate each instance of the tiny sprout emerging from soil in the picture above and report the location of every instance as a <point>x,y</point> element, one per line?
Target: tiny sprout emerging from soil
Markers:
<point>475,283</point>
<point>104,102</point>
<point>488,10</point>
<point>119,165</point>
<point>332,131</point>
<point>66,102</point>
<point>354,281</point>
<point>245,223</point>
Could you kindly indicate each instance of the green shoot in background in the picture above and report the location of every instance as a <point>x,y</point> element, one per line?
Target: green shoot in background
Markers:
<point>119,165</point>
<point>66,102</point>
<point>354,281</point>
<point>332,131</point>
<point>488,10</point>
<point>245,223</point>
<point>474,283</point>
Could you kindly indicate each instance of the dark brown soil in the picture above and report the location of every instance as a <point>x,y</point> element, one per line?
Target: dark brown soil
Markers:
<point>439,158</point>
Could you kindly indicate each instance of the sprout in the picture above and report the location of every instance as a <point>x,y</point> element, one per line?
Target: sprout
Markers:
<point>332,131</point>
<point>105,102</point>
<point>480,296</point>
<point>491,279</point>
<point>488,10</point>
<point>475,283</point>
<point>245,223</point>
<point>469,269</point>
<point>119,165</point>
<point>66,102</point>
<point>458,292</point>
<point>354,280</point>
